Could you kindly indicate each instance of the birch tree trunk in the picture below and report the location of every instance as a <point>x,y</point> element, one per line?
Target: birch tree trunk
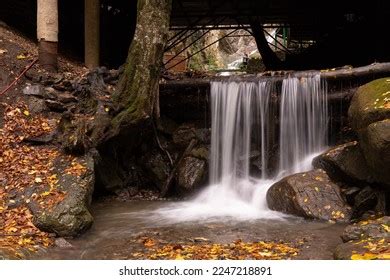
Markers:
<point>47,33</point>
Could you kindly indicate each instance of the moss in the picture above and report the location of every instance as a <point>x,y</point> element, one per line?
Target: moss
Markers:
<point>370,103</point>
<point>137,89</point>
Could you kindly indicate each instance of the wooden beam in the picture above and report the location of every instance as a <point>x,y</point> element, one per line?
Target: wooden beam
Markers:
<point>92,33</point>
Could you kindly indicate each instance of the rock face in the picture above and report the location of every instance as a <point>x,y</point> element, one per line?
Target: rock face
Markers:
<point>310,195</point>
<point>71,216</point>
<point>365,240</point>
<point>190,175</point>
<point>369,114</point>
<point>375,142</point>
<point>344,163</point>
<point>156,166</point>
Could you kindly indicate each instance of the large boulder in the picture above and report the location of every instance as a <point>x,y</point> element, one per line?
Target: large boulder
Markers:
<point>70,216</point>
<point>365,240</point>
<point>344,163</point>
<point>369,114</point>
<point>191,175</point>
<point>375,142</point>
<point>310,195</point>
<point>370,104</point>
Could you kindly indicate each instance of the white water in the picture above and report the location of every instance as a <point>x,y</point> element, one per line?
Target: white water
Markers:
<point>244,120</point>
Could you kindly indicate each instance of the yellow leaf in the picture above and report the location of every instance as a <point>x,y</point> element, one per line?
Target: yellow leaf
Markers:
<point>21,56</point>
<point>384,256</point>
<point>317,189</point>
<point>38,180</point>
<point>365,256</point>
<point>26,113</point>
<point>305,200</point>
<point>179,257</point>
<point>386,227</point>
<point>45,193</point>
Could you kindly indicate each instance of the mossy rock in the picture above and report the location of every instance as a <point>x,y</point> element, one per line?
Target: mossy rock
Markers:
<point>70,216</point>
<point>375,142</point>
<point>370,104</point>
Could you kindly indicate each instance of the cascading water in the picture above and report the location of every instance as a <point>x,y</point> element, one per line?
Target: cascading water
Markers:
<point>244,125</point>
<point>303,122</point>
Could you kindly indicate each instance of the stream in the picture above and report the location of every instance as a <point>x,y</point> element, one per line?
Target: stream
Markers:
<point>119,226</point>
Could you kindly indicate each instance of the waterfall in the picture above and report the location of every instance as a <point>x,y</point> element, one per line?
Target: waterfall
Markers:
<point>281,130</point>
<point>303,121</point>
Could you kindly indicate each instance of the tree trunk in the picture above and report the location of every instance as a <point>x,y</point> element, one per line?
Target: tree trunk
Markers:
<point>137,90</point>
<point>270,60</point>
<point>47,34</point>
<point>92,33</point>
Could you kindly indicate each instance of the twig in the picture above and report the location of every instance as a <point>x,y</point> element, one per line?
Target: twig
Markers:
<point>18,77</point>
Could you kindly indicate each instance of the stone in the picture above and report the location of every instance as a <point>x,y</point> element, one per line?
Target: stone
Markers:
<point>190,175</point>
<point>70,216</point>
<point>368,239</point>
<point>183,135</point>
<point>156,167</point>
<point>368,199</point>
<point>62,243</point>
<point>66,97</point>
<point>200,152</point>
<point>55,106</point>
<point>369,115</point>
<point>378,228</point>
<point>375,143</point>
<point>36,105</point>
<point>344,163</point>
<point>370,104</point>
<point>311,195</point>
<point>34,90</point>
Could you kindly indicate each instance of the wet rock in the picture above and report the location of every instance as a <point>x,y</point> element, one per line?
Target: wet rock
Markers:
<point>71,216</point>
<point>200,152</point>
<point>183,135</point>
<point>310,195</point>
<point>370,104</point>
<point>368,199</point>
<point>190,175</point>
<point>62,243</point>
<point>378,228</point>
<point>203,135</point>
<point>368,239</point>
<point>156,166</point>
<point>344,163</point>
<point>375,143</point>
<point>369,115</point>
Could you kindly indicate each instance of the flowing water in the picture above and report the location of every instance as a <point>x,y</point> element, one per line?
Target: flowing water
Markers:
<point>248,117</point>
<point>244,122</point>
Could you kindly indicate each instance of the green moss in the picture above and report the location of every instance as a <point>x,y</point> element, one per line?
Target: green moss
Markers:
<point>370,103</point>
